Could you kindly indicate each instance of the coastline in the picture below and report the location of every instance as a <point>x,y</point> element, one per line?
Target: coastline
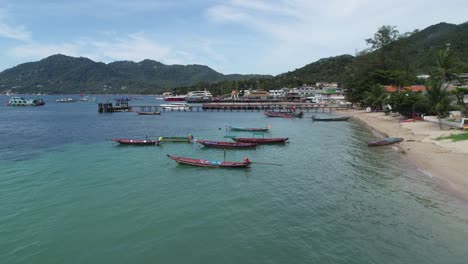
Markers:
<point>443,161</point>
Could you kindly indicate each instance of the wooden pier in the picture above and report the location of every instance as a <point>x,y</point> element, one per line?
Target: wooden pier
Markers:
<point>250,107</point>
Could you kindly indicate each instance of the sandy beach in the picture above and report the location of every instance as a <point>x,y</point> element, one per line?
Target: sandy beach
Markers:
<point>445,161</point>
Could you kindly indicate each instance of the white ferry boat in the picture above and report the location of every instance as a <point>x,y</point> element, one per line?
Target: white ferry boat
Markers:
<point>20,101</point>
<point>176,106</point>
<point>199,95</point>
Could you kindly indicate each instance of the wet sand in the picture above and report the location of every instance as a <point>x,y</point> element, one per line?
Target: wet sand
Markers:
<point>445,161</point>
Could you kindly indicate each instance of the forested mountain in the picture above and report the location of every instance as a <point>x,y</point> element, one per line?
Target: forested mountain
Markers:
<point>64,74</point>
<point>392,58</point>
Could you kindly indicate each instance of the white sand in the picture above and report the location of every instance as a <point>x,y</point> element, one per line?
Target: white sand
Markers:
<point>445,161</point>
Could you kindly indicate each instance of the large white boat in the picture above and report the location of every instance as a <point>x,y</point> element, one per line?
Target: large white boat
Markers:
<point>198,96</point>
<point>170,97</point>
<point>176,106</point>
<point>20,101</point>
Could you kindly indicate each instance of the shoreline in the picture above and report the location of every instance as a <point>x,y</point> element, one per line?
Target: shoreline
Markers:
<point>443,161</point>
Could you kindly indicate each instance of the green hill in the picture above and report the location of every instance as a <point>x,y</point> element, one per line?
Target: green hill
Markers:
<point>64,74</point>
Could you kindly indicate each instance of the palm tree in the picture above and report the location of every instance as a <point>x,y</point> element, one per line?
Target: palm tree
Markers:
<point>437,93</point>
<point>375,96</point>
<point>439,99</point>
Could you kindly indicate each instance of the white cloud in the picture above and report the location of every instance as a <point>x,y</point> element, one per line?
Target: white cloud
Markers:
<point>10,30</point>
<point>301,31</point>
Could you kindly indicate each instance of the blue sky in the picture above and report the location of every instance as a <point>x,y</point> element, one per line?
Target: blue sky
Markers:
<point>231,36</point>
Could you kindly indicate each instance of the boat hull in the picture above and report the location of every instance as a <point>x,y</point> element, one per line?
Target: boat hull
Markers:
<point>209,163</point>
<point>174,99</point>
<point>187,139</point>
<point>226,145</point>
<point>19,101</point>
<point>261,140</point>
<point>136,142</point>
<point>250,129</point>
<point>283,114</point>
<point>384,142</point>
<point>148,113</point>
<point>330,119</point>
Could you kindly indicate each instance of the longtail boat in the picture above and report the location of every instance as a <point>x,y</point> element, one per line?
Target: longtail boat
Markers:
<point>261,140</point>
<point>251,129</point>
<point>148,113</point>
<point>187,139</point>
<point>211,163</point>
<point>224,144</point>
<point>136,142</point>
<point>288,114</point>
<point>339,118</point>
<point>385,141</point>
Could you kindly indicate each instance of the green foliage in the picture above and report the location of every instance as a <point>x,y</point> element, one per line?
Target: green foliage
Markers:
<point>455,137</point>
<point>375,97</point>
<point>459,93</point>
<point>384,36</point>
<point>439,101</point>
<point>407,102</point>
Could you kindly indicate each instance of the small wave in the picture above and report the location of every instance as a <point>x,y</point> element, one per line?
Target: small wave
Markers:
<point>426,173</point>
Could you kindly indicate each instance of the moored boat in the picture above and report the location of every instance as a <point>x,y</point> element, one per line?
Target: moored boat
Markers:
<point>288,114</point>
<point>136,142</point>
<point>187,139</point>
<point>211,163</point>
<point>224,144</point>
<point>261,140</point>
<point>148,113</point>
<point>251,129</point>
<point>176,106</point>
<point>339,118</point>
<point>385,141</point>
<point>198,96</point>
<point>168,96</point>
<point>20,101</point>
<point>65,100</point>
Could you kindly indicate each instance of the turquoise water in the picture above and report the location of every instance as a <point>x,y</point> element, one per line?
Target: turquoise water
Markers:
<point>70,195</point>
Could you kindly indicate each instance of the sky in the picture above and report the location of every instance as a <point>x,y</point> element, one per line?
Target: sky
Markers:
<point>230,36</point>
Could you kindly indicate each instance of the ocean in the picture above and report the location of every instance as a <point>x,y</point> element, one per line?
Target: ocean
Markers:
<point>68,194</point>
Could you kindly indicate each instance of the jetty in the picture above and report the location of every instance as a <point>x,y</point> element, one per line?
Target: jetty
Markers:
<point>121,105</point>
<point>248,107</point>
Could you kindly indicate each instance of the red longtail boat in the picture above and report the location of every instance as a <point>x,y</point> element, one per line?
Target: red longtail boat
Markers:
<point>224,144</point>
<point>136,142</point>
<point>211,163</point>
<point>261,140</point>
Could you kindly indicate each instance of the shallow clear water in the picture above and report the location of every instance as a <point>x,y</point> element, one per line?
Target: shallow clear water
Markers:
<point>70,195</point>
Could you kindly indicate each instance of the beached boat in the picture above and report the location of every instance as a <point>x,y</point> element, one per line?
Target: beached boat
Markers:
<point>224,144</point>
<point>339,118</point>
<point>261,140</point>
<point>136,142</point>
<point>288,114</point>
<point>20,101</point>
<point>251,129</point>
<point>211,163</point>
<point>385,141</point>
<point>148,113</point>
<point>176,106</point>
<point>187,139</point>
